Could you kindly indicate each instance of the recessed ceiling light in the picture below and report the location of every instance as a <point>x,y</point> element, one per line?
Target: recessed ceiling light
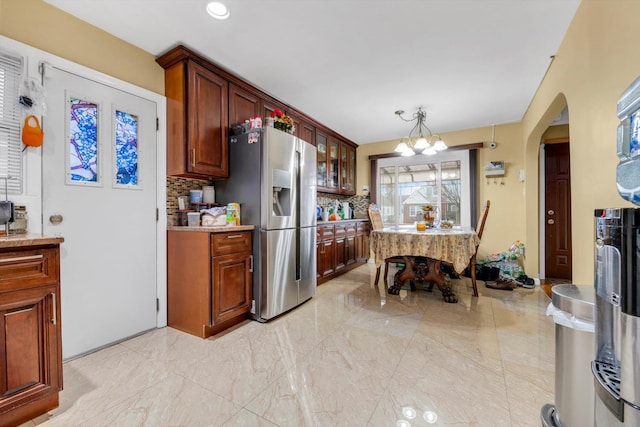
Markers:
<point>217,10</point>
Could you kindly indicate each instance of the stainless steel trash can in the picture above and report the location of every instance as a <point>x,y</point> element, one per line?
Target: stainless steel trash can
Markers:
<point>573,311</point>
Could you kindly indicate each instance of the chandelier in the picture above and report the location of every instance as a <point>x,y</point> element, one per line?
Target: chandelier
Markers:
<point>419,142</point>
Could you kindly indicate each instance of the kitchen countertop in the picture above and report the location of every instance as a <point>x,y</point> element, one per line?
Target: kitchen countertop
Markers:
<point>212,229</point>
<point>342,220</point>
<point>22,240</point>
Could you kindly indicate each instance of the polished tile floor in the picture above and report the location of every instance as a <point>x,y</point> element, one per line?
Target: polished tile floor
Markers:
<point>351,356</point>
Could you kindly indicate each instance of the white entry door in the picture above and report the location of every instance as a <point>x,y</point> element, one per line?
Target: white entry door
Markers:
<point>99,194</point>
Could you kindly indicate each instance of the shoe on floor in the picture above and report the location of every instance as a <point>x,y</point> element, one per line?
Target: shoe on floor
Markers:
<point>502,284</point>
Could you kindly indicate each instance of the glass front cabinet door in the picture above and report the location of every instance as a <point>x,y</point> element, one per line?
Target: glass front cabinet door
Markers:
<point>334,160</point>
<point>321,141</point>
<point>347,165</point>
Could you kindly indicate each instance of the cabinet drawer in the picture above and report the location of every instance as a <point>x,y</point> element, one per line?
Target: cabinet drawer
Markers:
<point>341,230</point>
<point>350,228</point>
<point>28,268</point>
<point>325,232</point>
<point>230,243</point>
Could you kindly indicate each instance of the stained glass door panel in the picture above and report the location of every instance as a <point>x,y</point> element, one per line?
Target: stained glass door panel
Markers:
<point>126,149</point>
<point>83,143</point>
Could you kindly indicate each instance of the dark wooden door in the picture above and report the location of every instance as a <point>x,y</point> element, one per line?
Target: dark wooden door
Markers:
<point>557,211</point>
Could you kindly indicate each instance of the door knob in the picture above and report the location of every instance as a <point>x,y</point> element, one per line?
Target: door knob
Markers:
<point>551,222</point>
<point>550,212</point>
<point>55,219</point>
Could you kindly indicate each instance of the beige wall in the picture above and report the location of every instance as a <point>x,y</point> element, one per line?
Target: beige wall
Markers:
<point>45,27</point>
<point>598,59</point>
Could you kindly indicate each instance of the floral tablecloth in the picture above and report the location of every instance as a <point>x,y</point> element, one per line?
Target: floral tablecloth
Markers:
<point>455,246</point>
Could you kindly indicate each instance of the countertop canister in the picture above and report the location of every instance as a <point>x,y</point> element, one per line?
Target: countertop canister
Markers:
<point>208,194</point>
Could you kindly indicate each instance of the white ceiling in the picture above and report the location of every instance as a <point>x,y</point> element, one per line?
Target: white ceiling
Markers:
<point>351,63</point>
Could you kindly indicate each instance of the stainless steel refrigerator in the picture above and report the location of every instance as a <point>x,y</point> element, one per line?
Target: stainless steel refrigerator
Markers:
<point>272,174</point>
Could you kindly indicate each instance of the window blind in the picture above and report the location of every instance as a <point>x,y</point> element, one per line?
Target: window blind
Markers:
<point>10,116</point>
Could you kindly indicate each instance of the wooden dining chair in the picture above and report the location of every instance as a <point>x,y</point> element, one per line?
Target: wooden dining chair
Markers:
<point>375,217</point>
<point>479,232</point>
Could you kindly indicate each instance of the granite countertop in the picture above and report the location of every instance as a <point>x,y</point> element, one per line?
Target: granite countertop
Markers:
<point>22,240</point>
<point>212,229</point>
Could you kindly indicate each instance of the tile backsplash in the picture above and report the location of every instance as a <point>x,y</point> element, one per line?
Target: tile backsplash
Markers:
<point>360,202</point>
<point>180,187</point>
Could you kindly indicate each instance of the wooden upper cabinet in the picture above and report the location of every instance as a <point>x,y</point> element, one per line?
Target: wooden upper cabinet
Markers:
<point>197,120</point>
<point>242,105</point>
<point>204,101</point>
<point>305,130</point>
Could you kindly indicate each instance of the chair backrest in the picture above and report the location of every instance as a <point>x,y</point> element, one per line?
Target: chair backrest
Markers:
<point>375,217</point>
<point>483,219</point>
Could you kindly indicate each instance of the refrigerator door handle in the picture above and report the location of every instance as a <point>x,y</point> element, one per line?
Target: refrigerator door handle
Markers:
<point>299,187</point>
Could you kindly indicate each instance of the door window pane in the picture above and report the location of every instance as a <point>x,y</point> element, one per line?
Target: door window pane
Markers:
<point>126,141</point>
<point>83,141</point>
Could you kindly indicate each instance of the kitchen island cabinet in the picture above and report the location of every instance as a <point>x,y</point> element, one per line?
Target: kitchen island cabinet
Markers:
<point>341,246</point>
<point>31,354</point>
<point>209,278</point>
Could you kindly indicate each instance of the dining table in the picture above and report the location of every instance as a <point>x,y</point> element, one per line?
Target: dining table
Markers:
<point>425,253</point>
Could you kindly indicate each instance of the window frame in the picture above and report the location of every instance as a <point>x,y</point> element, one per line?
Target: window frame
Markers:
<point>467,178</point>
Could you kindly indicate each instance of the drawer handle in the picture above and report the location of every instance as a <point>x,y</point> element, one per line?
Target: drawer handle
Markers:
<point>21,258</point>
<point>234,236</point>
<point>55,310</point>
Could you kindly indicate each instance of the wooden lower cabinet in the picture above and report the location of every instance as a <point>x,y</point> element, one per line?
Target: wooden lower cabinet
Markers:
<point>325,251</point>
<point>341,246</point>
<point>31,354</point>
<point>209,279</point>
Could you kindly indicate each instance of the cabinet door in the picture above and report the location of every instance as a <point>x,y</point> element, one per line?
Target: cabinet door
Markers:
<point>304,130</point>
<point>31,354</point>
<point>341,254</point>
<point>207,117</point>
<point>231,288</point>
<point>327,256</point>
<point>334,165</point>
<point>347,168</point>
<point>319,267</point>
<point>350,250</point>
<point>323,163</point>
<point>242,105</point>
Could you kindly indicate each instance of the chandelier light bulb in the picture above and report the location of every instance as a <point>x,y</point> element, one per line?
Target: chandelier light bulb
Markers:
<point>430,151</point>
<point>402,147</point>
<point>421,143</point>
<point>439,145</point>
